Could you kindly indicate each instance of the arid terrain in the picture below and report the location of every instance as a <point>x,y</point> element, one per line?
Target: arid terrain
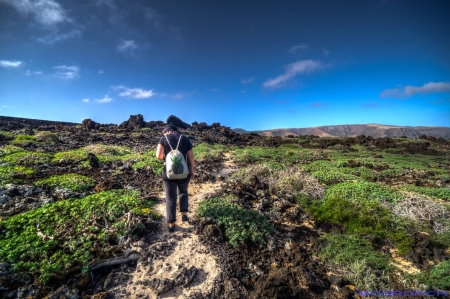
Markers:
<point>83,213</point>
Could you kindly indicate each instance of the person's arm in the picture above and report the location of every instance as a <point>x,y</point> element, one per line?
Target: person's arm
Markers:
<point>190,156</point>
<point>160,152</point>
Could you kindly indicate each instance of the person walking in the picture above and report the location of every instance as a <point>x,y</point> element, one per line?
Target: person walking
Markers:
<point>172,140</point>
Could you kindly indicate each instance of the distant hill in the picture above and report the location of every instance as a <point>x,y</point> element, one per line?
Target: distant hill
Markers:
<point>374,130</point>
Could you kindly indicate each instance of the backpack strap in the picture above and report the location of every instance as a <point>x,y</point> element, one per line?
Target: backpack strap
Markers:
<point>169,142</point>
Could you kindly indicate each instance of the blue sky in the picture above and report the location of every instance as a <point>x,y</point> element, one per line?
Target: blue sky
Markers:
<point>249,64</point>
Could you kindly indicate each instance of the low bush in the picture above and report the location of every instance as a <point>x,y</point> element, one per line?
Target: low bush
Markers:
<point>21,139</point>
<point>150,161</point>
<point>27,158</point>
<point>70,234</point>
<point>442,193</point>
<point>361,191</point>
<point>438,277</point>
<point>361,217</point>
<point>205,151</point>
<point>72,181</point>
<point>46,136</point>
<point>7,174</point>
<point>240,225</point>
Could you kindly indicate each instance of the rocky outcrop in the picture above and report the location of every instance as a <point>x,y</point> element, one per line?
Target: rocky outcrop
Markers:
<point>135,122</point>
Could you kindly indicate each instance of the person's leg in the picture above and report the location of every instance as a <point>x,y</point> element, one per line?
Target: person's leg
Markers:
<point>171,201</point>
<point>183,193</point>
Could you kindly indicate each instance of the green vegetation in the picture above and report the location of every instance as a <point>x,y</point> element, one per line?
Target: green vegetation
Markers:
<point>442,193</point>
<point>332,176</point>
<point>275,158</point>
<point>240,225</point>
<point>363,217</point>
<point>6,135</point>
<point>72,181</point>
<point>9,149</point>
<point>205,151</point>
<point>361,191</point>
<point>438,277</point>
<point>47,137</point>
<point>22,139</point>
<point>345,249</point>
<point>70,234</point>
<point>7,174</point>
<point>27,158</point>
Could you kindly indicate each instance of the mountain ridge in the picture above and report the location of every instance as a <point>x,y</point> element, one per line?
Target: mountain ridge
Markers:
<point>374,130</point>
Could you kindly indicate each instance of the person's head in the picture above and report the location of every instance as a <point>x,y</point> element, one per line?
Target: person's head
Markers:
<point>170,128</point>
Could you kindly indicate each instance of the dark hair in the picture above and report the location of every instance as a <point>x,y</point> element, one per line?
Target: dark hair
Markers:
<point>170,127</point>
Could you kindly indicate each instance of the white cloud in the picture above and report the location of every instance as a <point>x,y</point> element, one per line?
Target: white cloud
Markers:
<point>57,36</point>
<point>181,95</point>
<point>293,69</point>
<point>10,63</point>
<point>101,72</point>
<point>127,46</point>
<point>409,91</point>
<point>247,80</point>
<point>297,48</point>
<point>106,99</point>
<point>3,107</point>
<point>66,72</point>
<point>29,73</point>
<point>85,100</point>
<point>326,52</point>
<point>135,93</point>
<point>45,12</point>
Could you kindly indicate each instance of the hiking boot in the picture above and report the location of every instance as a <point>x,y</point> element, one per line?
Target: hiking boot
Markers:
<point>184,218</point>
<point>171,228</point>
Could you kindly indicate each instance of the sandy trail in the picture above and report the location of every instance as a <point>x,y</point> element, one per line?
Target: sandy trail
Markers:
<point>180,249</point>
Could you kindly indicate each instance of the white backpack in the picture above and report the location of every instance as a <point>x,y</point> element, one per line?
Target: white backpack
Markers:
<point>176,166</point>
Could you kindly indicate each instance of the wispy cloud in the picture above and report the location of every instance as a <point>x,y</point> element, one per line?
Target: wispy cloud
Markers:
<point>101,72</point>
<point>10,63</point>
<point>247,80</point>
<point>127,46</point>
<point>292,70</point>
<point>177,95</point>
<point>30,73</point>
<point>439,102</point>
<point>45,12</point>
<point>135,93</point>
<point>66,72</point>
<point>106,99</point>
<point>3,107</point>
<point>409,91</point>
<point>86,100</point>
<point>326,52</point>
<point>296,48</point>
<point>370,105</point>
<point>57,36</point>
<point>317,104</point>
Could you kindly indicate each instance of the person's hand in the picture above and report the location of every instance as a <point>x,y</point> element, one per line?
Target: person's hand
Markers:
<point>192,174</point>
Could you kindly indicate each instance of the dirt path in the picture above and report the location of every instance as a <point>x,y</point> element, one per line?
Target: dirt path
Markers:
<point>179,257</point>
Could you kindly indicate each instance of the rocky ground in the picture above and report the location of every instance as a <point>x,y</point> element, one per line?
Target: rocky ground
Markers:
<point>195,261</point>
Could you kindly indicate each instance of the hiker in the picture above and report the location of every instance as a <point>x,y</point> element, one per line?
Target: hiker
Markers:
<point>170,141</point>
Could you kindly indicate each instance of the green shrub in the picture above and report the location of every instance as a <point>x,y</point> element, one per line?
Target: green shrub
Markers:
<point>27,158</point>
<point>21,139</point>
<point>345,249</point>
<point>68,234</point>
<point>214,152</point>
<point>442,193</point>
<point>438,277</point>
<point>240,225</point>
<point>46,136</point>
<point>9,149</point>
<point>361,191</point>
<point>72,181</point>
<point>6,173</point>
<point>332,176</point>
<point>151,161</point>
<point>361,217</point>
<point>6,135</point>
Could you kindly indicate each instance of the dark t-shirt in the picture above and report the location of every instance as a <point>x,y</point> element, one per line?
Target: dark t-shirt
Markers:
<point>184,147</point>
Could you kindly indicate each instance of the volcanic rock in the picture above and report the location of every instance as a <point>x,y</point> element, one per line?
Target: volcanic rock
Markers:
<point>89,124</point>
<point>172,119</point>
<point>135,122</point>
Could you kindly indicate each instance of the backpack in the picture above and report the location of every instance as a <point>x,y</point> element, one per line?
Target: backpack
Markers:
<point>176,166</point>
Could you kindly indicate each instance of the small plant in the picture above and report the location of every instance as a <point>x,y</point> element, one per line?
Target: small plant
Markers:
<point>205,151</point>
<point>22,139</point>
<point>240,225</point>
<point>442,193</point>
<point>70,234</point>
<point>14,174</point>
<point>361,191</point>
<point>27,158</point>
<point>46,136</point>
<point>72,181</point>
<point>438,277</point>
